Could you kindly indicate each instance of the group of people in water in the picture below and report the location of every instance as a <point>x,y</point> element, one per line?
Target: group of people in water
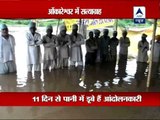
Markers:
<point>64,50</point>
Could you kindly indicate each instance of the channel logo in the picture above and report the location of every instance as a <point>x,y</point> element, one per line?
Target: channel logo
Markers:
<point>139,14</point>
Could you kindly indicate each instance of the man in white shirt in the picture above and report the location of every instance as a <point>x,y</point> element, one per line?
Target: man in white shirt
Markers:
<point>142,58</point>
<point>34,52</point>
<point>124,44</point>
<point>64,42</point>
<point>7,51</point>
<point>50,43</point>
<point>75,47</point>
<point>123,54</point>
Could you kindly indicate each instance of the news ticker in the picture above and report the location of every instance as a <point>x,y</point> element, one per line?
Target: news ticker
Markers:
<point>79,99</point>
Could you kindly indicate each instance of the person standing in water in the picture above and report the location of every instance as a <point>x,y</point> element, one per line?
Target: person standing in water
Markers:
<point>34,52</point>
<point>50,43</point>
<point>7,51</point>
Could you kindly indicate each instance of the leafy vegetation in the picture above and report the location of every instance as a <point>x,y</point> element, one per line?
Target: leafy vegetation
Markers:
<point>25,22</point>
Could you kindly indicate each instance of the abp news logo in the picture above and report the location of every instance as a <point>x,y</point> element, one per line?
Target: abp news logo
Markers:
<point>139,14</point>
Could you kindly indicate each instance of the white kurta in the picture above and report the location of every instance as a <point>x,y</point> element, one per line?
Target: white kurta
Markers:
<point>124,44</point>
<point>7,55</point>
<point>156,52</point>
<point>50,47</point>
<point>64,49</point>
<point>142,51</point>
<point>76,51</point>
<point>7,49</point>
<point>34,52</point>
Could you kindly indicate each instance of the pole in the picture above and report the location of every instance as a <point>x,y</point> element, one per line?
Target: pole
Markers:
<point>80,25</point>
<point>58,26</point>
<point>151,55</point>
<point>83,28</point>
<point>116,25</point>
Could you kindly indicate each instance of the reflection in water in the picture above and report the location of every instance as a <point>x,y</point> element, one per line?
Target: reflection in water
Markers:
<point>101,77</point>
<point>75,75</point>
<point>8,83</point>
<point>122,67</point>
<point>90,77</point>
<point>140,72</point>
<point>49,81</point>
<point>155,75</point>
<point>120,82</point>
<point>34,82</point>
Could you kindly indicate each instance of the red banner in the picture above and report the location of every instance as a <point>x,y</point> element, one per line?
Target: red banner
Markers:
<point>79,99</point>
<point>76,8</point>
